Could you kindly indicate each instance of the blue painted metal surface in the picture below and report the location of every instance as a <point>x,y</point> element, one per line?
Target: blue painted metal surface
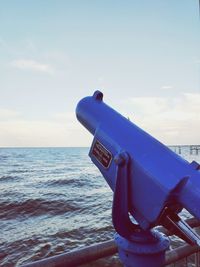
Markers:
<point>148,249</point>
<point>149,181</point>
<point>157,176</point>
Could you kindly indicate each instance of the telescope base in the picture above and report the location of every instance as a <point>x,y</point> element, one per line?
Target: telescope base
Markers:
<point>146,248</point>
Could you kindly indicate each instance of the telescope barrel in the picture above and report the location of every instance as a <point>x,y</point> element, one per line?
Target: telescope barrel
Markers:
<point>158,178</point>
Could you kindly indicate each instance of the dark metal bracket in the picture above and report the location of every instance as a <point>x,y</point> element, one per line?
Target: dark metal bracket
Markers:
<point>120,210</point>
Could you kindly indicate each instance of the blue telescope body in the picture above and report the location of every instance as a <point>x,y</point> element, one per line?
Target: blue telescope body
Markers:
<point>150,182</point>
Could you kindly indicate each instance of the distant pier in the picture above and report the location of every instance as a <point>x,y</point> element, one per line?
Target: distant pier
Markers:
<point>193,149</point>
<point>176,149</point>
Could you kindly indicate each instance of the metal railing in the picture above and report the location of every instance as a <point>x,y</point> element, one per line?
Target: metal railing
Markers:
<point>183,256</point>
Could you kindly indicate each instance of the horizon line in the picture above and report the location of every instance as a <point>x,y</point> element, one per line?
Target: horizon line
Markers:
<point>169,145</point>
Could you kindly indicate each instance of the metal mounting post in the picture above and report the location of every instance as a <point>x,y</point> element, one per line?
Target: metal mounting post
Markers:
<point>137,248</point>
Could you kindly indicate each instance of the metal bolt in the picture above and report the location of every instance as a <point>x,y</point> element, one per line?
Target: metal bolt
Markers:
<point>121,158</point>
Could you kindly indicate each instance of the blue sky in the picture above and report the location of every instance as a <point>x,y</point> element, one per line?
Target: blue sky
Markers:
<point>144,56</point>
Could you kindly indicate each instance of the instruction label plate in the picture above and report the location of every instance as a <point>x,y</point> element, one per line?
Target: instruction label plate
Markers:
<point>102,154</point>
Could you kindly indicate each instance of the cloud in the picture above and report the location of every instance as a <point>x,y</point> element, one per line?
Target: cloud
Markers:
<point>152,105</point>
<point>64,117</point>
<point>32,65</point>
<point>7,114</point>
<point>172,120</point>
<point>166,87</point>
<point>60,130</point>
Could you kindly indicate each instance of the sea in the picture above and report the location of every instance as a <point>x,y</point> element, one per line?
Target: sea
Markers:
<point>53,200</point>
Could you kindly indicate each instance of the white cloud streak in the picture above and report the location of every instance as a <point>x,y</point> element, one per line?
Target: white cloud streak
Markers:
<point>32,65</point>
<point>60,130</point>
<point>166,87</point>
<point>7,114</point>
<point>174,120</point>
<point>171,120</point>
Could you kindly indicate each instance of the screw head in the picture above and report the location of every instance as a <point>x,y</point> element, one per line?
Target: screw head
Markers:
<point>121,158</point>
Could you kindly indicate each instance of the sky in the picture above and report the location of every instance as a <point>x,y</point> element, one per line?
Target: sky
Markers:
<point>143,55</point>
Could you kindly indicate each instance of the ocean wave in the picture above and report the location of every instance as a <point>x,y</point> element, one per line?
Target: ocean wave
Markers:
<point>75,182</point>
<point>3,157</point>
<point>22,171</point>
<point>9,178</point>
<point>63,204</point>
<point>35,207</point>
<point>60,182</point>
<point>20,250</point>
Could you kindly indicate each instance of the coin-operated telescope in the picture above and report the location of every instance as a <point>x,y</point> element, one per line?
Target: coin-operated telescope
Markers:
<point>151,183</point>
